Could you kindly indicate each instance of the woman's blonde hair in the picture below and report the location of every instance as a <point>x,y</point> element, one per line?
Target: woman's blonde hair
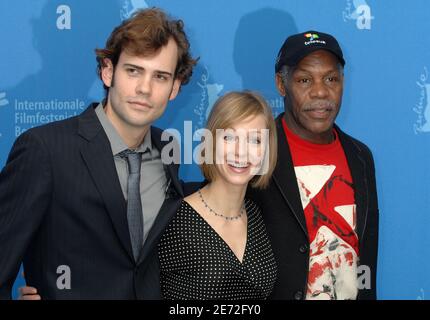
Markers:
<point>232,108</point>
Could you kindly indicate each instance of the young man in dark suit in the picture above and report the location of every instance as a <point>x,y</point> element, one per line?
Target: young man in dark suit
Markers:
<point>320,209</point>
<point>84,201</point>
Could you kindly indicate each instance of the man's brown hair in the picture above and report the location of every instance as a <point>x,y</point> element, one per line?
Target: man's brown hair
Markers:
<point>143,34</point>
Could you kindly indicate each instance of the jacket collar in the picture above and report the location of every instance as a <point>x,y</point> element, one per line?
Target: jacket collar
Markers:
<point>286,181</point>
<point>97,155</point>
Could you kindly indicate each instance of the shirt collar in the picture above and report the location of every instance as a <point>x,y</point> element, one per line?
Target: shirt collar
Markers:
<point>117,143</point>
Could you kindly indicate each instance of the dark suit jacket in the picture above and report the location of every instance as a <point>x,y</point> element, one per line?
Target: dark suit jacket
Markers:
<point>285,220</point>
<point>61,204</point>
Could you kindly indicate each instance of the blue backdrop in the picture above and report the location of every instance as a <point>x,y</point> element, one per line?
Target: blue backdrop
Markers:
<point>47,73</point>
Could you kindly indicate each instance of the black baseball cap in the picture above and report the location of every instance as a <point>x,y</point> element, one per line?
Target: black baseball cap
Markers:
<point>298,46</point>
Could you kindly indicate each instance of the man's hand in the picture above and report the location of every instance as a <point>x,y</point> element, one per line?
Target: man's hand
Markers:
<point>28,293</point>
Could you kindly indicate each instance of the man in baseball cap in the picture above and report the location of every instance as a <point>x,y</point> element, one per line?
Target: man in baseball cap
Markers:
<point>321,210</point>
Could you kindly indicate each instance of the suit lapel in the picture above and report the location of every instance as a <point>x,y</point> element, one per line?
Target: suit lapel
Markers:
<point>97,155</point>
<point>166,213</point>
<point>174,196</point>
<point>285,178</point>
<point>284,173</point>
<point>171,169</point>
<point>357,166</point>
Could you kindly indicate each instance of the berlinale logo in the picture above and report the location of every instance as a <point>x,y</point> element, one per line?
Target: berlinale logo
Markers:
<point>130,6</point>
<point>422,108</point>
<point>360,11</point>
<point>210,92</point>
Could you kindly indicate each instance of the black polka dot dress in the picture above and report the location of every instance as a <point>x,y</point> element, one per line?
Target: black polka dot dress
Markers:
<point>196,263</point>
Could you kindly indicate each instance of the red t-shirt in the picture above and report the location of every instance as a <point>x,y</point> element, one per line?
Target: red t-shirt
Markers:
<point>327,196</point>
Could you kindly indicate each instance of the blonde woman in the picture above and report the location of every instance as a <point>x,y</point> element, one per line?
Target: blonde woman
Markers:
<point>216,247</point>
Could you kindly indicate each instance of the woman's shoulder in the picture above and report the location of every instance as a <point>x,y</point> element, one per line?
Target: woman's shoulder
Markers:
<point>251,206</point>
<point>191,202</point>
<point>188,213</point>
<point>185,209</point>
<point>254,212</point>
<point>185,219</point>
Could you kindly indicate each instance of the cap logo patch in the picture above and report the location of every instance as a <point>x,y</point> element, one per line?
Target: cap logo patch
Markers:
<point>313,39</point>
<point>312,36</point>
